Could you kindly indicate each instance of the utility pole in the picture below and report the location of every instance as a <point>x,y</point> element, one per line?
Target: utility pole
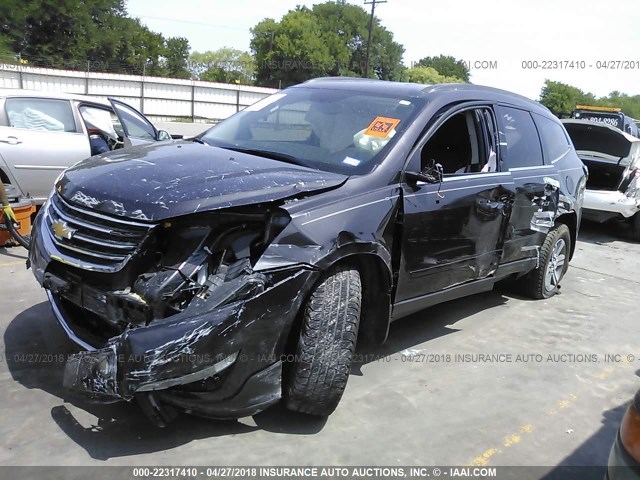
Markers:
<point>373,4</point>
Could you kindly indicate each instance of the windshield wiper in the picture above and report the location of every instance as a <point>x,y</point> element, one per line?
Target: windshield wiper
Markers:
<point>282,157</point>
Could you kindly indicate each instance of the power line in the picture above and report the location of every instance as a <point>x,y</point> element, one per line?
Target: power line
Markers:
<point>373,4</point>
<point>190,22</point>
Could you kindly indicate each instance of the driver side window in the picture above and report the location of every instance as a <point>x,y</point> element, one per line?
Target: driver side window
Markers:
<point>463,144</point>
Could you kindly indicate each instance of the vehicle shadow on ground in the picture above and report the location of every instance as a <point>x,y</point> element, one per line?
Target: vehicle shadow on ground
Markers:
<point>595,451</point>
<point>430,324</point>
<point>604,233</point>
<point>37,348</point>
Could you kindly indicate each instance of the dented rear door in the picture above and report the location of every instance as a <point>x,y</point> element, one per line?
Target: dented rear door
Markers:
<point>536,185</point>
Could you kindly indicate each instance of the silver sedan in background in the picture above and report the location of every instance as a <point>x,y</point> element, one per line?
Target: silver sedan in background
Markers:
<point>42,134</point>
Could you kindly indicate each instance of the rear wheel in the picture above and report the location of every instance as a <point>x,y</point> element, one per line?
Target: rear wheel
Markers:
<point>635,227</point>
<point>544,281</point>
<point>326,344</point>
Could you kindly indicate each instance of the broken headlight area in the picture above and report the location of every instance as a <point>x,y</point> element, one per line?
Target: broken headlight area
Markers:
<point>94,373</point>
<point>108,375</point>
<point>204,260</point>
<point>218,267</point>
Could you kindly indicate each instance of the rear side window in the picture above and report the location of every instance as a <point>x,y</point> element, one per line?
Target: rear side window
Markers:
<point>555,142</point>
<point>40,114</point>
<point>519,140</point>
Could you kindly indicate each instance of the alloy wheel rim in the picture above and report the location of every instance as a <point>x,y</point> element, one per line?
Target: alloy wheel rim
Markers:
<point>555,267</point>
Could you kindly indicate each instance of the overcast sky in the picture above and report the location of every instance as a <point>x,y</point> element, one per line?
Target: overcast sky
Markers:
<point>504,31</point>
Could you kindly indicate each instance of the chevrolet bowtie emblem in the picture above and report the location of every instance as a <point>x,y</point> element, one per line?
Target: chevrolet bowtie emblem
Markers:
<point>62,230</point>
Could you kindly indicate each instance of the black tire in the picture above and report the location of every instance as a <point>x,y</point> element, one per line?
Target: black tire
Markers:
<point>326,345</point>
<point>544,281</point>
<point>635,227</point>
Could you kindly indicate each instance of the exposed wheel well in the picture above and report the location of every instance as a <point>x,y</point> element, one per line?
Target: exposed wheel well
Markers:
<point>375,311</point>
<point>376,296</point>
<point>571,221</point>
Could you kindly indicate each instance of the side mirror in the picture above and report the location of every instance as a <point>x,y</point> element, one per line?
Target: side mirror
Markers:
<point>163,135</point>
<point>415,177</point>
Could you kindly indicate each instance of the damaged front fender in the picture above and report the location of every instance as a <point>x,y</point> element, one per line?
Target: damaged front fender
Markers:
<point>365,224</point>
<point>189,351</point>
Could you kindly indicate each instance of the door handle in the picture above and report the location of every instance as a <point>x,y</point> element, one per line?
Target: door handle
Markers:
<point>11,140</point>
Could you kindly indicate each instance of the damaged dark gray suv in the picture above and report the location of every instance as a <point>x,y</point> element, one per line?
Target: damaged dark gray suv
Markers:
<point>220,275</point>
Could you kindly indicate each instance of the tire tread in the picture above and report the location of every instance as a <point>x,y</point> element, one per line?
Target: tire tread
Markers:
<point>326,343</point>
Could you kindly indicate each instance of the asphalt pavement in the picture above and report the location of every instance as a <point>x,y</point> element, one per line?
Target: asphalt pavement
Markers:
<point>489,380</point>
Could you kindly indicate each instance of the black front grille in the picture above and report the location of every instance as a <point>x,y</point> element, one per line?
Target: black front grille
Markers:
<point>90,236</point>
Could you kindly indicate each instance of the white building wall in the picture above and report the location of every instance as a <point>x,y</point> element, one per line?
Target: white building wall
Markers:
<point>162,99</point>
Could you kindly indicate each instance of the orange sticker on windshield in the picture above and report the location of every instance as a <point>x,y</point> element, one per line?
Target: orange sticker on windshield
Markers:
<point>382,126</point>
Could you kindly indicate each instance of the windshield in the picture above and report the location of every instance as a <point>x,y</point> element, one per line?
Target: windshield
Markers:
<point>339,131</point>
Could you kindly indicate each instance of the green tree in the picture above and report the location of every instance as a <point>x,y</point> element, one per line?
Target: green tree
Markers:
<point>348,25</point>
<point>130,47</point>
<point>447,65</point>
<point>630,105</point>
<point>6,53</point>
<point>60,30</point>
<point>561,98</point>
<point>176,58</point>
<point>137,48</point>
<point>12,18</point>
<point>81,33</point>
<point>225,65</point>
<point>327,40</point>
<point>290,51</point>
<point>428,75</point>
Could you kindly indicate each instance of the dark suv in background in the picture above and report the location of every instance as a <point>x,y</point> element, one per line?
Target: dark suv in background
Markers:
<point>307,222</point>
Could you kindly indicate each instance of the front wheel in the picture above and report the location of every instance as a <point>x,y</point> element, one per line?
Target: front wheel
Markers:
<point>544,281</point>
<point>326,344</point>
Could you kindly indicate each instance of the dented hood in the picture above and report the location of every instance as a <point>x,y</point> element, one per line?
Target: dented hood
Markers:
<point>159,181</point>
<point>604,141</point>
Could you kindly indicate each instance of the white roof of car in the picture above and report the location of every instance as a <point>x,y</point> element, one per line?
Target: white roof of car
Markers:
<point>16,92</point>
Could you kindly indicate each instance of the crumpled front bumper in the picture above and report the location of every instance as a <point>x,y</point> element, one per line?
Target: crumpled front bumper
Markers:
<point>220,362</point>
<point>612,202</point>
